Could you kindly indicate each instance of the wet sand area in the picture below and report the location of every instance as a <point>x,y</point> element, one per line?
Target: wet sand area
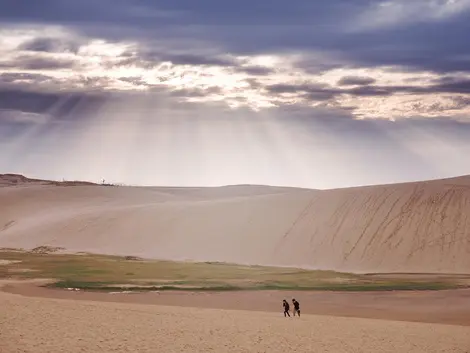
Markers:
<point>440,306</point>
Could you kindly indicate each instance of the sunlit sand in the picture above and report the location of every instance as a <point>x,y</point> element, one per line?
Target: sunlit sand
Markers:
<point>413,227</point>
<point>52,325</point>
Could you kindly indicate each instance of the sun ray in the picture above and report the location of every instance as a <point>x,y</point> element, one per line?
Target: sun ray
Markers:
<point>33,135</point>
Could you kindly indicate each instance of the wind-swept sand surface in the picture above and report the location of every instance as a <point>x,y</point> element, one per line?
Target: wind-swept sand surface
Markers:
<point>412,227</point>
<point>53,325</point>
<point>442,307</point>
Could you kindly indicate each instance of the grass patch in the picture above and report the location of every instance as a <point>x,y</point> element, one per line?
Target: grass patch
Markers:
<point>118,273</point>
<point>110,287</point>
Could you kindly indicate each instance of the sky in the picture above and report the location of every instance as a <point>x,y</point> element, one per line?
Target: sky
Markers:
<point>314,94</point>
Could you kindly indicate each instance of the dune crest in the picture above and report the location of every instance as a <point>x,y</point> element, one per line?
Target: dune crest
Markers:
<point>410,227</point>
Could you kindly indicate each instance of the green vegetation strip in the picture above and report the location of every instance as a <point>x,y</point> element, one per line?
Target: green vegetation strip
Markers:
<point>109,287</point>
<point>115,273</point>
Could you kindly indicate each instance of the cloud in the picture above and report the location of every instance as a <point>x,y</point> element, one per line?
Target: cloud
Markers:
<point>27,102</point>
<point>197,92</point>
<point>365,89</point>
<point>256,70</point>
<point>244,27</point>
<point>26,78</point>
<point>246,55</point>
<point>339,84</point>
<point>356,81</point>
<point>85,11</point>
<point>61,103</point>
<point>389,13</point>
<point>37,63</point>
<point>39,104</point>
<point>461,102</point>
<point>50,45</point>
<point>145,12</point>
<point>193,59</point>
<point>135,80</point>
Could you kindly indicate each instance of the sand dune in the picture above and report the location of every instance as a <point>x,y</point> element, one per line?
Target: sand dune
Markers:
<point>52,325</point>
<point>412,227</point>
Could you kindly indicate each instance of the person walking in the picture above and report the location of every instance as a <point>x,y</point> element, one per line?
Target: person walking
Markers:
<point>296,307</point>
<point>286,306</point>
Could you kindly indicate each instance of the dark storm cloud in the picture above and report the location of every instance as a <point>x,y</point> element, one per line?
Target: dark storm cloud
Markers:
<point>29,62</point>
<point>60,103</point>
<point>193,59</point>
<point>258,27</point>
<point>315,92</point>
<point>290,88</point>
<point>207,12</point>
<point>132,61</point>
<point>208,30</point>
<point>135,80</point>
<point>31,102</point>
<point>50,45</point>
<point>440,47</point>
<point>57,104</point>
<point>14,77</point>
<point>255,70</point>
<point>64,11</point>
<point>457,86</point>
<point>149,59</point>
<point>370,91</point>
<point>325,92</point>
<point>355,80</point>
<point>32,82</point>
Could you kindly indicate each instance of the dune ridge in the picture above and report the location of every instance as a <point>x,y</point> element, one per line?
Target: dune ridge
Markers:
<point>408,227</point>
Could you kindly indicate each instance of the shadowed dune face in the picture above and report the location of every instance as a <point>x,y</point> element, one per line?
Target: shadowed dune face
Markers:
<point>413,227</point>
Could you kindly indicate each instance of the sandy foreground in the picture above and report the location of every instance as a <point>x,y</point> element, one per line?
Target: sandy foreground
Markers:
<point>451,307</point>
<point>60,325</point>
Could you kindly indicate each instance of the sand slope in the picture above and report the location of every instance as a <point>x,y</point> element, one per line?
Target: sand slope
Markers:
<point>52,325</point>
<point>413,227</point>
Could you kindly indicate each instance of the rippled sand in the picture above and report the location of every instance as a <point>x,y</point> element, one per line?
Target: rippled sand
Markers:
<point>53,325</point>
